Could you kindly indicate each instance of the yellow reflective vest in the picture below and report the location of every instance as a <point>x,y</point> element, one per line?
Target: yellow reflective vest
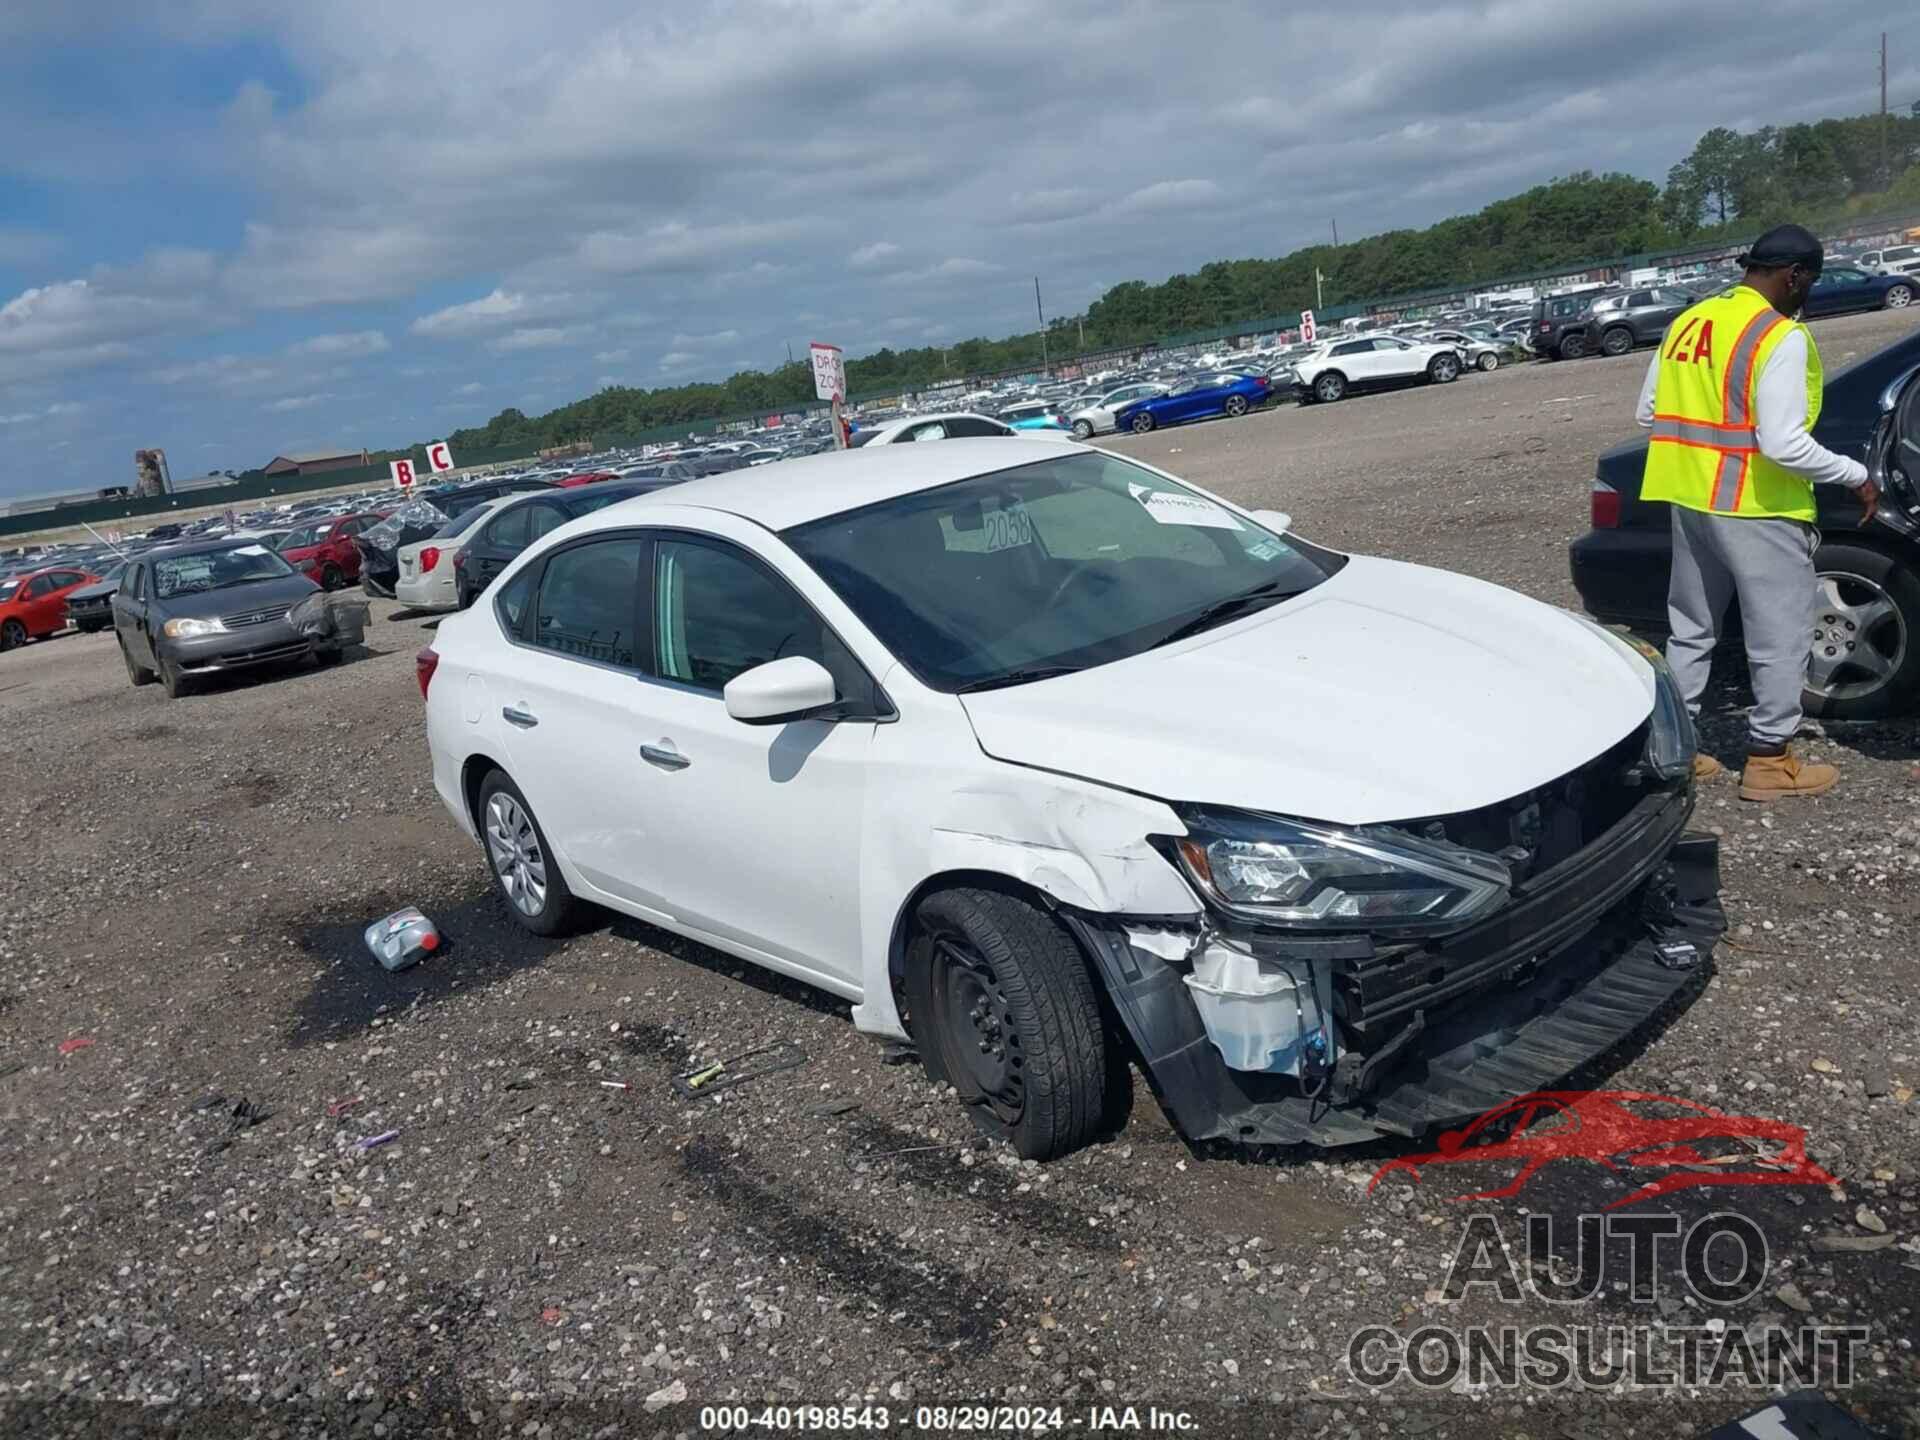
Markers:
<point>1705,453</point>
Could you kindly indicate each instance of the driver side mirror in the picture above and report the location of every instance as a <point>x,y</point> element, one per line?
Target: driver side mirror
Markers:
<point>779,691</point>
<point>1278,521</point>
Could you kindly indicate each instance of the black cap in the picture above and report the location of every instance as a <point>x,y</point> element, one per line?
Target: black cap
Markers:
<point>1786,245</point>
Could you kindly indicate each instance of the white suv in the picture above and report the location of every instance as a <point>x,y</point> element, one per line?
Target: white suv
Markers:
<point>1373,362</point>
<point>1894,260</point>
<point>1052,763</point>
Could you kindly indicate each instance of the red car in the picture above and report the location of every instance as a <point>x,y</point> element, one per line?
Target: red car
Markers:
<point>585,477</point>
<point>34,605</point>
<point>324,551</point>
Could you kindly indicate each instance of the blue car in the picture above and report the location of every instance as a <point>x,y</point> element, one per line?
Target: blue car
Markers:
<point>1196,399</point>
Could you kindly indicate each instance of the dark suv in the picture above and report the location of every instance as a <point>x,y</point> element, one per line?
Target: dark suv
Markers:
<point>1617,323</point>
<point>1559,329</point>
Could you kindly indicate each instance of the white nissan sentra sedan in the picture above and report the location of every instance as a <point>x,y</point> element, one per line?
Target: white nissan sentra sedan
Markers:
<point>1054,765</point>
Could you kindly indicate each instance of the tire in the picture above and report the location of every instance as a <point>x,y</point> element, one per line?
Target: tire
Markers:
<point>138,675</point>
<point>1005,1010</point>
<point>1617,341</point>
<point>1443,369</point>
<point>331,578</point>
<point>1865,661</point>
<point>1329,386</point>
<point>1898,297</point>
<point>13,635</point>
<point>1141,424</point>
<point>179,684</point>
<point>1236,406</point>
<point>514,841</point>
<point>1572,347</point>
<point>1488,363</point>
<point>1082,430</point>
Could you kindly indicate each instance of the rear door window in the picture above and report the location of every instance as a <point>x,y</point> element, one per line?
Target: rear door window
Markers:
<point>589,602</point>
<point>511,530</point>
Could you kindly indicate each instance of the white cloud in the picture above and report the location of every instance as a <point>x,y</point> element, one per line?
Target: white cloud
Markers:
<point>611,357</point>
<point>676,360</point>
<point>73,324</point>
<point>705,342</point>
<point>472,387</point>
<point>540,337</point>
<point>355,344</point>
<point>1168,195</point>
<point>868,256</point>
<point>299,402</point>
<point>491,311</point>
<point>680,247</point>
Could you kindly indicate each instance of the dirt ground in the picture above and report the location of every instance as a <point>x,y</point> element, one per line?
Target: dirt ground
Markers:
<point>193,1236</point>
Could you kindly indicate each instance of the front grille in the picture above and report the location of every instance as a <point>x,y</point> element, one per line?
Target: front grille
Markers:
<point>262,616</point>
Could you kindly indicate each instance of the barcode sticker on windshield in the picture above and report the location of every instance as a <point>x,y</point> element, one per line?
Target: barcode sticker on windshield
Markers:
<point>1007,528</point>
<point>1168,508</point>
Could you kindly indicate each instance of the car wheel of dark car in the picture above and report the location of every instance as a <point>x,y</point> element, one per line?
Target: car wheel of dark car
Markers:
<point>331,578</point>
<point>1572,347</point>
<point>524,870</point>
<point>1082,430</point>
<point>1898,297</point>
<point>1330,387</point>
<point>1488,363</point>
<point>1236,405</point>
<point>1443,369</point>
<point>179,684</point>
<point>1004,1011</point>
<point>12,635</point>
<point>1866,625</point>
<point>138,674</point>
<point>1617,341</point>
<point>1142,423</point>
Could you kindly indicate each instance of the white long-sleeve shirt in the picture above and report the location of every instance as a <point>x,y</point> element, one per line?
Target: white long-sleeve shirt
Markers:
<point>1780,417</point>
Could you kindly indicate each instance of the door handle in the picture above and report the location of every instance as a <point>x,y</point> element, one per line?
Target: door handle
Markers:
<point>514,715</point>
<point>664,755</point>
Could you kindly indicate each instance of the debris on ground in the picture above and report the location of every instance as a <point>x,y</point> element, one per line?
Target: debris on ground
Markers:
<point>741,1069</point>
<point>403,939</point>
<point>76,1044</point>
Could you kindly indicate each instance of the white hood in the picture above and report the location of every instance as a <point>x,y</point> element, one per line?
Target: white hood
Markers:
<point>1388,693</point>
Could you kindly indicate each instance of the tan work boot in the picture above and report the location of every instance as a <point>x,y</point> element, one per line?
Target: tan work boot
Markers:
<point>1768,777</point>
<point>1705,767</point>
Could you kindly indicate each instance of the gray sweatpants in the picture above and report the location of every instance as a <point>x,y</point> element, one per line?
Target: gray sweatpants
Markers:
<point>1769,564</point>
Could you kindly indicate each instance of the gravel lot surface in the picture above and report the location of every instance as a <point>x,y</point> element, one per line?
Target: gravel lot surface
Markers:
<point>536,1253</point>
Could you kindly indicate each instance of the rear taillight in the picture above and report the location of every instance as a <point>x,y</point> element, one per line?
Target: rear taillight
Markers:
<point>1605,506</point>
<point>1545,327</point>
<point>1261,381</point>
<point>424,664</point>
<point>460,561</point>
<point>429,558</point>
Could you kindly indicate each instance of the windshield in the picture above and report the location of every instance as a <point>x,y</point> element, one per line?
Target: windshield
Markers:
<point>7,587</point>
<point>215,570</point>
<point>299,539</point>
<point>1067,562</point>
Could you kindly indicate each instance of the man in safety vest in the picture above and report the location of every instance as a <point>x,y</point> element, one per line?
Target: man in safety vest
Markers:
<point>1730,398</point>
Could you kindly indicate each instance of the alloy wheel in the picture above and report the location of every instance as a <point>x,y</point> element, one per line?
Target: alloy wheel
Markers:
<point>518,858</point>
<point>1859,638</point>
<point>1899,297</point>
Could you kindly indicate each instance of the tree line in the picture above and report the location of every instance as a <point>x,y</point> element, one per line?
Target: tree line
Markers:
<point>1730,184</point>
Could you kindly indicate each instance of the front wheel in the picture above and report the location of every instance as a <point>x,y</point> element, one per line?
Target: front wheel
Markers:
<point>1444,369</point>
<point>179,684</point>
<point>1236,405</point>
<point>1865,660</point>
<point>1898,297</point>
<point>524,870</point>
<point>1488,363</point>
<point>1005,1011</point>
<point>1082,430</point>
<point>1141,424</point>
<point>1330,387</point>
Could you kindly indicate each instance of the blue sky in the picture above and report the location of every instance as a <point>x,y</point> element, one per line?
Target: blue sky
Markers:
<point>232,228</point>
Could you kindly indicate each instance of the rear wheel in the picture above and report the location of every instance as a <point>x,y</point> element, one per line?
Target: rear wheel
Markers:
<point>1865,663</point>
<point>1444,369</point>
<point>1142,423</point>
<point>1005,1011</point>
<point>331,578</point>
<point>1488,363</point>
<point>1898,297</point>
<point>1617,341</point>
<point>1236,405</point>
<point>524,871</point>
<point>137,674</point>
<point>1330,387</point>
<point>1572,347</point>
<point>13,635</point>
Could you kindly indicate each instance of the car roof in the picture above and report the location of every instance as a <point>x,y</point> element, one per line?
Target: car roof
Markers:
<point>811,487</point>
<point>202,547</point>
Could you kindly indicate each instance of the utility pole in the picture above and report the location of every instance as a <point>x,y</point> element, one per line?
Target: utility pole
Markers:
<point>1081,320</point>
<point>1318,303</point>
<point>1045,364</point>
<point>1336,233</point>
<point>1886,177</point>
<point>789,352</point>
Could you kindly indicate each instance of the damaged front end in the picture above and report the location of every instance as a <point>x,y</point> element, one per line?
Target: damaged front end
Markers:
<point>1450,963</point>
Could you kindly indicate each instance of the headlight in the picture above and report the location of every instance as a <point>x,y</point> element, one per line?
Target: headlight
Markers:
<point>1317,877</point>
<point>184,629</point>
<point>1670,735</point>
